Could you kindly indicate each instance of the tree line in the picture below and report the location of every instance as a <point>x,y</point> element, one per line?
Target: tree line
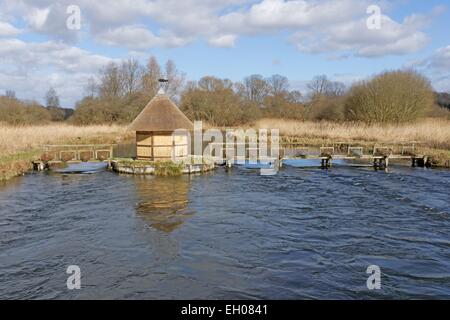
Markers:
<point>120,90</point>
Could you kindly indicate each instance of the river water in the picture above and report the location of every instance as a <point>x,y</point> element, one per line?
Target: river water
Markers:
<point>302,234</point>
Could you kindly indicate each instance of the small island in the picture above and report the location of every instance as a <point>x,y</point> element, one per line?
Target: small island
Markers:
<point>162,142</point>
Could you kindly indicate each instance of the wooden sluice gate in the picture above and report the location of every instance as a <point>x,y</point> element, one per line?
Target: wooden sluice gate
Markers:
<point>379,156</point>
<point>58,154</point>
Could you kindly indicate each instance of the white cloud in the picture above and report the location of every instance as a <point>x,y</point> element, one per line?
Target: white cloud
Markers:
<point>354,36</point>
<point>224,41</point>
<point>441,59</point>
<point>8,30</point>
<point>314,26</point>
<point>50,54</point>
<point>139,37</point>
<point>31,68</point>
<point>436,67</point>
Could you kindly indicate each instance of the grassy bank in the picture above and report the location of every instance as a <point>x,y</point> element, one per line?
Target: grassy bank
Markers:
<point>21,145</point>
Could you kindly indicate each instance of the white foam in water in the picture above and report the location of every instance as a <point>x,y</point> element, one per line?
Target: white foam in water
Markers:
<point>83,168</point>
<point>268,172</point>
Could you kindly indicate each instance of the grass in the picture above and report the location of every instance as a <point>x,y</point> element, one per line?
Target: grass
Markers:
<point>21,145</point>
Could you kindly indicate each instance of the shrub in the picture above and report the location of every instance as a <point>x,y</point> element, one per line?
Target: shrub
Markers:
<point>16,112</point>
<point>326,108</point>
<point>398,96</point>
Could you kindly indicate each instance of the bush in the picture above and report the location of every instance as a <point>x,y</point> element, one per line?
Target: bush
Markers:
<point>120,110</point>
<point>279,107</point>
<point>326,108</point>
<point>16,112</point>
<point>395,97</point>
<point>220,108</point>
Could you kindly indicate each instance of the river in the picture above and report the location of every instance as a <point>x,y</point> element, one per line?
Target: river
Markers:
<point>305,233</point>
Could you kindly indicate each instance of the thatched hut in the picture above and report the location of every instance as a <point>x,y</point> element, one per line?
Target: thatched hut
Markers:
<point>155,127</point>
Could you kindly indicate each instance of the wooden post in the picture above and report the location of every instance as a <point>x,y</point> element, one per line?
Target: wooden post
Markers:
<point>425,161</point>
<point>376,163</point>
<point>326,163</point>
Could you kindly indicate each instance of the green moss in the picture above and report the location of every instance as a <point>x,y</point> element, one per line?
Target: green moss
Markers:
<point>162,168</point>
<point>168,168</point>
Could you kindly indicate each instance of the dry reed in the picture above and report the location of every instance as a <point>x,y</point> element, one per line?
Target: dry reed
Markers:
<point>431,133</point>
<point>15,140</point>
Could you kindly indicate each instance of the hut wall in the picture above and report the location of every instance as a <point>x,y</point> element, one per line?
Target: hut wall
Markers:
<point>181,146</point>
<point>144,145</point>
<point>161,146</point>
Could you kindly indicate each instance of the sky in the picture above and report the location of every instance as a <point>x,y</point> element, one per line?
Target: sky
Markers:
<point>61,44</point>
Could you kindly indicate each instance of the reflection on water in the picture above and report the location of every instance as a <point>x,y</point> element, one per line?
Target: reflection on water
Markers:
<point>163,201</point>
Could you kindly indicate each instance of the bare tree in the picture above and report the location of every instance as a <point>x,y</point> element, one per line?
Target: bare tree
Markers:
<point>175,80</point>
<point>295,96</point>
<point>318,85</point>
<point>321,86</point>
<point>278,84</point>
<point>52,98</point>
<point>212,84</point>
<point>90,88</point>
<point>256,88</point>
<point>240,90</point>
<point>335,89</point>
<point>111,81</point>
<point>151,76</point>
<point>131,73</point>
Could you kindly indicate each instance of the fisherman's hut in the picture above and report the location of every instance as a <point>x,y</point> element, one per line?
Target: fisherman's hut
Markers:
<point>162,131</point>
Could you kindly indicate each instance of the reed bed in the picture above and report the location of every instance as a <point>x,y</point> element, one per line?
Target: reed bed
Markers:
<point>430,133</point>
<point>15,140</point>
<point>20,145</point>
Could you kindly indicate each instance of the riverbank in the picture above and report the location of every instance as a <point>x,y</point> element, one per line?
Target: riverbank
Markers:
<point>19,146</point>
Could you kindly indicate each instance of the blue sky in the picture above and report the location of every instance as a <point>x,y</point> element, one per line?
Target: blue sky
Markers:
<point>225,38</point>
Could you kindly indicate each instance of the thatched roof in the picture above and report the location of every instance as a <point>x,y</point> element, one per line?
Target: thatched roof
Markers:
<point>161,114</point>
